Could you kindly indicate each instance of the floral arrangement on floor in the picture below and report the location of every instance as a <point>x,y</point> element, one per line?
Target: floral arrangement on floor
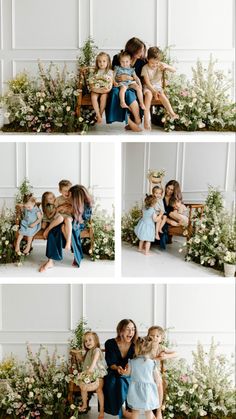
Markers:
<point>214,234</point>
<point>103,226</point>
<point>45,103</point>
<point>8,230</point>
<point>128,222</point>
<point>203,389</point>
<point>202,103</point>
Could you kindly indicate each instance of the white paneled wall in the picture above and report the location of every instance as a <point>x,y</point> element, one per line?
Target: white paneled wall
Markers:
<point>195,165</point>
<point>55,30</point>
<point>45,164</point>
<point>47,313</point>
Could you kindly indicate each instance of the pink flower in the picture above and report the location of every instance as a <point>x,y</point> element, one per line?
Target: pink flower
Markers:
<point>184,93</point>
<point>184,378</point>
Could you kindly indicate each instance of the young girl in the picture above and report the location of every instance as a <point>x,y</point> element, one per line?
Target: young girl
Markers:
<point>145,229</point>
<point>100,83</point>
<point>179,213</point>
<point>132,83</point>
<point>152,77</point>
<point>49,210</point>
<point>30,224</point>
<point>93,361</point>
<point>142,393</point>
<point>157,334</point>
<point>157,191</point>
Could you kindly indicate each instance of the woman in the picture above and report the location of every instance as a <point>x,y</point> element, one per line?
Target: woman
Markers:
<point>172,190</point>
<point>81,211</point>
<point>114,112</point>
<point>118,351</point>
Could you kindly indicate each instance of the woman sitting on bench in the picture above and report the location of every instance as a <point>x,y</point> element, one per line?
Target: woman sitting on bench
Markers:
<point>81,203</point>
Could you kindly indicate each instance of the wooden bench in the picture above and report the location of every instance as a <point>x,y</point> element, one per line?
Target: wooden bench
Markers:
<point>84,99</point>
<point>186,231</point>
<point>86,233</point>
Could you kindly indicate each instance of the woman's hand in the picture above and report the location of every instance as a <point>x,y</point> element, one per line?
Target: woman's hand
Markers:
<point>124,77</point>
<point>121,370</point>
<point>32,225</point>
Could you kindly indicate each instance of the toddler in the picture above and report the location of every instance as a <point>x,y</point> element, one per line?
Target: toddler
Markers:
<point>145,229</point>
<point>93,361</point>
<point>64,208</point>
<point>152,77</point>
<point>179,213</point>
<point>157,334</point>
<point>157,191</point>
<point>49,210</point>
<point>132,83</point>
<point>142,393</point>
<point>100,83</point>
<point>30,224</point>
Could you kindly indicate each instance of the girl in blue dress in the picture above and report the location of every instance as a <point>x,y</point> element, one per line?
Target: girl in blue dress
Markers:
<point>142,393</point>
<point>145,229</point>
<point>30,224</point>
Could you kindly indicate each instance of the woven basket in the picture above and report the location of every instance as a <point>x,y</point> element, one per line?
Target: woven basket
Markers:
<point>89,387</point>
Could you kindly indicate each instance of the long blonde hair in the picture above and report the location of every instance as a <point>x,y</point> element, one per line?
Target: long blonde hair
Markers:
<point>108,61</point>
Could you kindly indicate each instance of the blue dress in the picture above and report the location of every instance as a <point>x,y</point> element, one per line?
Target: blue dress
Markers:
<point>115,385</point>
<point>56,240</point>
<point>145,229</point>
<point>142,393</point>
<point>114,112</point>
<point>127,71</point>
<point>30,216</point>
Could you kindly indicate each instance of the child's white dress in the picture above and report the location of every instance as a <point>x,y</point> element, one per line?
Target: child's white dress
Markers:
<point>155,77</point>
<point>142,393</point>
<point>145,229</point>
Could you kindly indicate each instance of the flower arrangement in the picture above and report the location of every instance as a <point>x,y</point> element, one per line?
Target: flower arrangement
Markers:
<point>46,103</point>
<point>87,53</point>
<point>214,234</point>
<point>104,235</point>
<point>8,230</point>
<point>76,342</point>
<point>203,390</point>
<point>24,189</point>
<point>128,222</point>
<point>156,173</point>
<point>202,103</point>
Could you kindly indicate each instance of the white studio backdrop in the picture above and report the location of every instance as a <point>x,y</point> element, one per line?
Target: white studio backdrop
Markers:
<point>195,165</point>
<point>46,314</point>
<point>55,30</point>
<point>45,164</point>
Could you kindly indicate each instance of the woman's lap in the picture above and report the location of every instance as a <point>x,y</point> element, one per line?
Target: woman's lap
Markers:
<point>115,392</point>
<point>114,112</point>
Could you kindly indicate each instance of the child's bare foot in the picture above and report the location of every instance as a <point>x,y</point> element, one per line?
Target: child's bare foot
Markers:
<point>45,234</point>
<point>157,237</point>
<point>174,116</point>
<point>99,119</point>
<point>26,250</point>
<point>124,105</point>
<point>101,415</point>
<point>136,128</point>
<point>161,231</point>
<point>146,252</point>
<point>82,409</point>
<point>49,264</point>
<point>147,126</point>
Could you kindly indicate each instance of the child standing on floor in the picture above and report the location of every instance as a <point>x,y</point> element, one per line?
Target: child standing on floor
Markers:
<point>152,77</point>
<point>157,191</point>
<point>142,393</point>
<point>157,334</point>
<point>93,362</point>
<point>64,208</point>
<point>133,83</point>
<point>100,84</point>
<point>145,229</point>
<point>179,213</point>
<point>30,224</point>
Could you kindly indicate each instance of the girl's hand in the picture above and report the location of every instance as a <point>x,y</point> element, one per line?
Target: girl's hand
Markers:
<point>116,84</point>
<point>120,370</point>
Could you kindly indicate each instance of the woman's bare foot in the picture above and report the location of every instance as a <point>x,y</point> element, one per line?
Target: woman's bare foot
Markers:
<point>49,264</point>
<point>68,246</point>
<point>124,105</point>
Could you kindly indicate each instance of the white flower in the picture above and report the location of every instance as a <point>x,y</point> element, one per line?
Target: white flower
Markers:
<point>72,406</point>
<point>42,108</point>
<point>31,394</point>
<point>81,119</point>
<point>59,395</point>
<point>68,108</point>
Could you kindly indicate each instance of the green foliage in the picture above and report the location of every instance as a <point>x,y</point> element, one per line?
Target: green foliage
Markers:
<point>24,189</point>
<point>202,103</point>
<point>8,230</point>
<point>87,53</point>
<point>128,223</point>
<point>76,341</point>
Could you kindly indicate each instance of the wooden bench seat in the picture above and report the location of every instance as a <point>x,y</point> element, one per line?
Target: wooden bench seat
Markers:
<point>186,231</point>
<point>86,233</point>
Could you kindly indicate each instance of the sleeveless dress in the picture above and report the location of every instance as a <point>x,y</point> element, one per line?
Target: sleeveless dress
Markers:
<point>142,393</point>
<point>145,229</point>
<point>101,366</point>
<point>30,216</point>
<point>119,71</point>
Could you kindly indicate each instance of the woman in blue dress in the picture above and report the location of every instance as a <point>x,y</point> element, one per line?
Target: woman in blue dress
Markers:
<point>114,112</point>
<point>118,351</point>
<point>81,212</point>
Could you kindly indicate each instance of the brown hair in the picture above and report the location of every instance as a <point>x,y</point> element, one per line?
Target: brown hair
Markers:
<point>123,54</point>
<point>44,202</point>
<point>157,187</point>
<point>108,61</point>
<point>133,45</point>
<point>29,198</point>
<point>158,328</point>
<point>79,198</point>
<point>149,201</point>
<point>95,337</point>
<point>122,325</point>
<point>177,194</point>
<point>146,347</point>
<point>154,52</point>
<point>63,183</point>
